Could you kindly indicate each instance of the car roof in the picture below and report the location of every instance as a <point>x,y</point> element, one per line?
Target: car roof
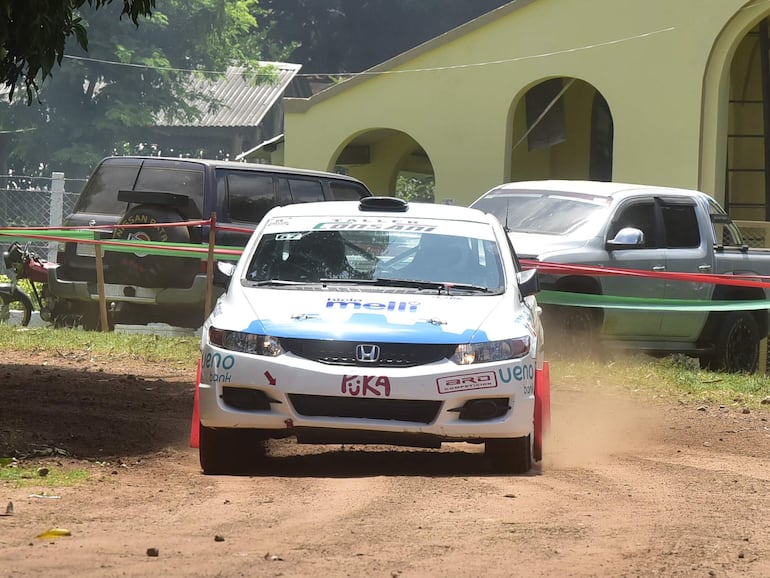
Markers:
<point>594,188</point>
<point>214,163</point>
<point>413,210</point>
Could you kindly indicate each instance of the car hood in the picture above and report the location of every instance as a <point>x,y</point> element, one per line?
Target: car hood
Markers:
<point>372,316</point>
<point>535,245</point>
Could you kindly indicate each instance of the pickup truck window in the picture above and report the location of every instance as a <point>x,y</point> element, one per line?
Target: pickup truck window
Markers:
<point>726,233</point>
<point>681,226</point>
<point>549,213</point>
<point>638,215</point>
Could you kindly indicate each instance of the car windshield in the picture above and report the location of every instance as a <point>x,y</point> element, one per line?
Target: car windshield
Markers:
<point>395,258</point>
<point>546,212</point>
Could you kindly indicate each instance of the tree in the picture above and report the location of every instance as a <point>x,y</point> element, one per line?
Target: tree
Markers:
<point>352,35</point>
<point>33,34</point>
<point>106,100</point>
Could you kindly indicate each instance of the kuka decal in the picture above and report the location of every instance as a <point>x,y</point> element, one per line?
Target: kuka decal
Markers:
<point>365,385</point>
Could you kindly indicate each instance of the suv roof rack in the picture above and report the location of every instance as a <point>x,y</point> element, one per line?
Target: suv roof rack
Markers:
<point>383,204</point>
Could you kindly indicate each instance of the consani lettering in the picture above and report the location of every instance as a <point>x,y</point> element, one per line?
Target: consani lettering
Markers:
<point>401,306</point>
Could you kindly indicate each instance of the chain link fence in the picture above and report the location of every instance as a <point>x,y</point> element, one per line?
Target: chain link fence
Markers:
<point>37,202</point>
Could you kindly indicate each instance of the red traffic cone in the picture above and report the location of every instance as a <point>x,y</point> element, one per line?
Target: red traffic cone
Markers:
<point>195,427</point>
<point>542,418</point>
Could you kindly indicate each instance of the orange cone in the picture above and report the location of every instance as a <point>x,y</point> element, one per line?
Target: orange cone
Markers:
<point>542,417</point>
<point>195,427</point>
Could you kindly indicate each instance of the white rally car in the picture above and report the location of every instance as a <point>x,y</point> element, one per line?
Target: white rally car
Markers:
<point>377,321</point>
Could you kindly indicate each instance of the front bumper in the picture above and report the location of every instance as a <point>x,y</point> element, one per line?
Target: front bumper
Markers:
<point>319,403</point>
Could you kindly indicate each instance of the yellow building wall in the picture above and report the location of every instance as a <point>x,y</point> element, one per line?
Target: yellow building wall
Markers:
<point>458,98</point>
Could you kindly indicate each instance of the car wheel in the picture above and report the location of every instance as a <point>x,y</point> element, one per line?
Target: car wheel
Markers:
<point>510,455</point>
<point>15,308</point>
<point>230,450</point>
<point>149,270</point>
<point>736,346</point>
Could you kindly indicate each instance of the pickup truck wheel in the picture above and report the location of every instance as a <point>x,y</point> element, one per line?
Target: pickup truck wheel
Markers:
<point>230,451</point>
<point>510,455</point>
<point>147,270</point>
<point>570,330</point>
<point>736,346</point>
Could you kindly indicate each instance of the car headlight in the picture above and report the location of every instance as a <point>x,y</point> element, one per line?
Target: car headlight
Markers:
<point>245,342</point>
<point>470,353</point>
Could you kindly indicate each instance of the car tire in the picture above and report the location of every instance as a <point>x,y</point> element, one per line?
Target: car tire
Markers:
<point>510,455</point>
<point>230,451</point>
<point>148,270</point>
<point>15,300</point>
<point>736,344</point>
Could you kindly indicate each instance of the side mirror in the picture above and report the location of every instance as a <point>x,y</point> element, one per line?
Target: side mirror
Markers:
<point>529,282</point>
<point>223,273</point>
<point>626,238</point>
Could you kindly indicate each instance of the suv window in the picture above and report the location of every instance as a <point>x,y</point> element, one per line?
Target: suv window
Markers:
<point>306,191</point>
<point>187,181</point>
<point>100,194</point>
<point>249,196</point>
<point>341,191</point>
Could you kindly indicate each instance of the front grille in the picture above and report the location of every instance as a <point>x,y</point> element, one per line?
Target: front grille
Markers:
<point>404,410</point>
<point>391,354</point>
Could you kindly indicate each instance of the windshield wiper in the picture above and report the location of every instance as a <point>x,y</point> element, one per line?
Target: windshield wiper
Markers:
<point>281,282</point>
<point>439,286</point>
<point>434,285</point>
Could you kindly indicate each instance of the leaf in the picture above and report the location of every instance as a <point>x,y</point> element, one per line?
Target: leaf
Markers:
<point>54,533</point>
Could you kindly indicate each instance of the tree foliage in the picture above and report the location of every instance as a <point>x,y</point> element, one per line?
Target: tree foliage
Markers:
<point>107,99</point>
<point>33,35</point>
<point>352,35</point>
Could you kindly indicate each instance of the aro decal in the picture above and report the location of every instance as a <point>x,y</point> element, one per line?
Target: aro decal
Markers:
<point>466,382</point>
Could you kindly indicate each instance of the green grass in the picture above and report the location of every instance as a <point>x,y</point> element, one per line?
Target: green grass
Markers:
<point>47,477</point>
<point>151,348</point>
<point>675,377</point>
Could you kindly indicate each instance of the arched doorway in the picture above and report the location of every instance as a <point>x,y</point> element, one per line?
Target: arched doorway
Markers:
<point>562,128</point>
<point>390,161</point>
<point>747,159</point>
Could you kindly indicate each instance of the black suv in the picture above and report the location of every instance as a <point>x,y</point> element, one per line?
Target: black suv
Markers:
<point>143,288</point>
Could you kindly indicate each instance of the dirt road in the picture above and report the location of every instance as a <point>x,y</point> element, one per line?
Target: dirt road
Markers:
<point>629,487</point>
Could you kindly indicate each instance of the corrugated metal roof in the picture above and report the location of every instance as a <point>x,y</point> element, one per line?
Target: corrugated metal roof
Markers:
<point>242,102</point>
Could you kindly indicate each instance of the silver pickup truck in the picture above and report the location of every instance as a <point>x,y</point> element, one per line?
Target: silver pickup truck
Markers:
<point>645,228</point>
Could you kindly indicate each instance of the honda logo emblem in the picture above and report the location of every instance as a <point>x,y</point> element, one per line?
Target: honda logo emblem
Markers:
<point>367,353</point>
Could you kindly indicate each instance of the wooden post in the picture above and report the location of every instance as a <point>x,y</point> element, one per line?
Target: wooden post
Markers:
<point>210,266</point>
<point>104,323</point>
